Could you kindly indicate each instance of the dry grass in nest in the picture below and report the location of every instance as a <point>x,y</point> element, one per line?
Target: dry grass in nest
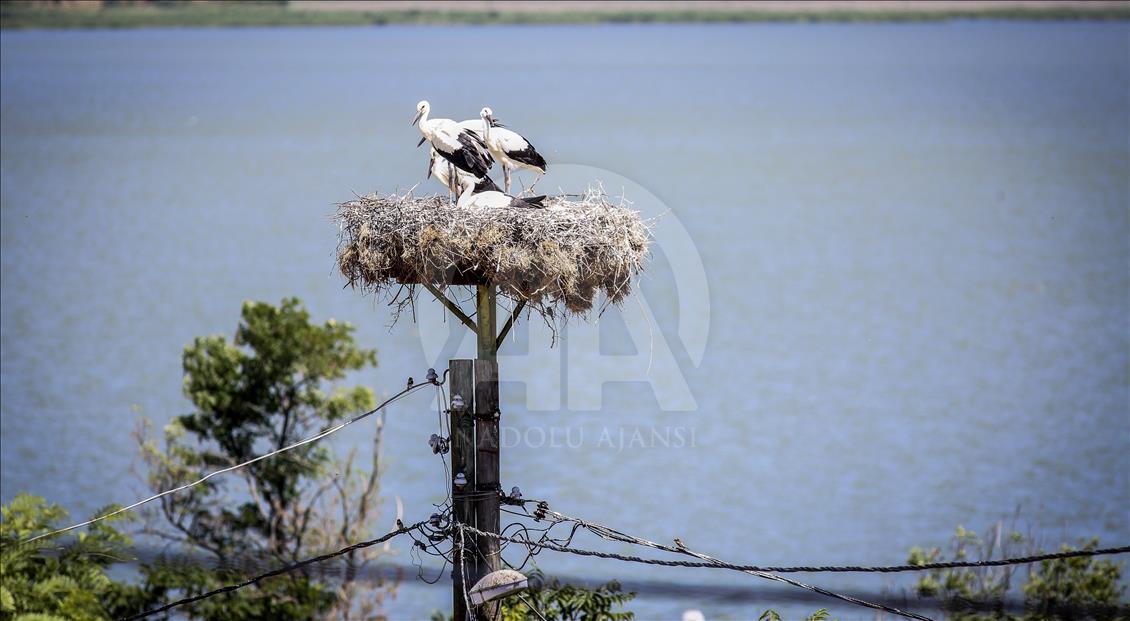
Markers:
<point>555,259</point>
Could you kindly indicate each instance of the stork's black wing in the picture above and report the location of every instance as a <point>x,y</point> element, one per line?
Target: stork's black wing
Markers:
<point>471,155</point>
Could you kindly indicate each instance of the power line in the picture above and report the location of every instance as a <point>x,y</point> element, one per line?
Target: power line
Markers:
<point>400,530</point>
<point>462,569</point>
<point>712,564</point>
<point>608,533</point>
<point>699,591</point>
<point>531,607</point>
<point>284,449</point>
<point>1020,560</point>
<point>768,572</point>
<point>554,517</point>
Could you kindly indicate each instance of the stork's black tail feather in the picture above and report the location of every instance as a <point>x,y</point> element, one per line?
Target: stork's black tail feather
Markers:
<point>530,202</point>
<point>528,156</point>
<point>486,184</point>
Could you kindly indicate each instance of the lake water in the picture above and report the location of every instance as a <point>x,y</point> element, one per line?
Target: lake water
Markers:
<point>912,310</point>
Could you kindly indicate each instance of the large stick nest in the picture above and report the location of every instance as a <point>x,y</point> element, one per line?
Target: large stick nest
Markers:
<point>554,259</point>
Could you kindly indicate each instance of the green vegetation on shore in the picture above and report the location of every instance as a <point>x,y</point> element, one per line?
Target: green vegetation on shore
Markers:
<point>24,16</point>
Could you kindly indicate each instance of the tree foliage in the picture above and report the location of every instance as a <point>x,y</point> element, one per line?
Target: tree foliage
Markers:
<point>555,601</point>
<point>1076,588</point>
<point>273,384</point>
<point>1080,583</point>
<point>48,580</point>
<point>565,602</point>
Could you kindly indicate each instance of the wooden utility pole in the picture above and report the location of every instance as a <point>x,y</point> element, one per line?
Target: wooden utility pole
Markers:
<point>475,454</point>
<point>486,438</point>
<point>462,477</point>
<point>485,307</point>
<point>486,472</point>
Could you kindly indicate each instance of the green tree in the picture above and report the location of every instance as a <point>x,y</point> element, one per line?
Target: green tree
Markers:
<point>47,580</point>
<point>565,602</point>
<point>1075,588</point>
<point>1080,583</point>
<point>275,383</point>
<point>562,602</point>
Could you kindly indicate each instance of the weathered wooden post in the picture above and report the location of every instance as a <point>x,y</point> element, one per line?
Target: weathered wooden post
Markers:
<point>487,487</point>
<point>486,472</point>
<point>462,475</point>
<point>486,311</point>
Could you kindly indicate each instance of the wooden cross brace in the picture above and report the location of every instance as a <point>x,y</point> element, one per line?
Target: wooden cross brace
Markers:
<point>470,323</point>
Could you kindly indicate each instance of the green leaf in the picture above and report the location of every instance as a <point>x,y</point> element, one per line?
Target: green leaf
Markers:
<point>7,601</point>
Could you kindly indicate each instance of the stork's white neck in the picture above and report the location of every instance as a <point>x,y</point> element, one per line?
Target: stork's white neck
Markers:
<point>424,124</point>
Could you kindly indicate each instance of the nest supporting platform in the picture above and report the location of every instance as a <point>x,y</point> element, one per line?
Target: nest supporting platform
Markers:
<point>555,260</point>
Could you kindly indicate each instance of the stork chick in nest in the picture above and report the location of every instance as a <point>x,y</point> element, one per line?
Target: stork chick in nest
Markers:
<point>486,194</point>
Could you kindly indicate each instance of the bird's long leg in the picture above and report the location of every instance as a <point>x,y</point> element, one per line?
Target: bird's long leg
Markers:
<point>506,177</point>
<point>452,182</point>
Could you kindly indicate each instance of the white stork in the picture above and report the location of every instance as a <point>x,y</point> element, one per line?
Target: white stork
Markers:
<point>508,147</point>
<point>483,196</point>
<point>463,148</point>
<point>455,180</point>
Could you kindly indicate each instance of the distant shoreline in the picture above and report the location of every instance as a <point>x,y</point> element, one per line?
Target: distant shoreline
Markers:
<point>21,16</point>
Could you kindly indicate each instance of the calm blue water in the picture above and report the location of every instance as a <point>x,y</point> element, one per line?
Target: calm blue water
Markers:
<point>914,239</point>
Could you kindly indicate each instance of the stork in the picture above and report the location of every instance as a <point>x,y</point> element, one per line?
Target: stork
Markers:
<point>508,147</point>
<point>482,195</point>
<point>463,148</point>
<point>455,180</point>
